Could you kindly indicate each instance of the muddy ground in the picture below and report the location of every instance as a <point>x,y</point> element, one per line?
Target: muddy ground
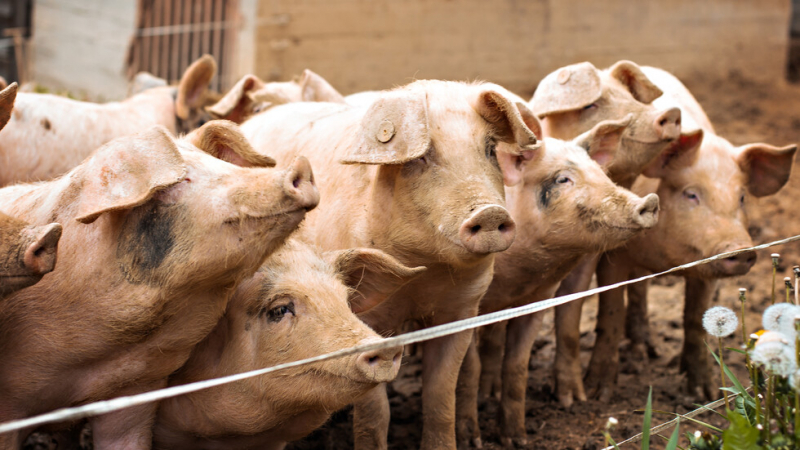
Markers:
<point>742,111</point>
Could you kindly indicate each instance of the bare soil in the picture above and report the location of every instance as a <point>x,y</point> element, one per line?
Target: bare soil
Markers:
<point>743,112</point>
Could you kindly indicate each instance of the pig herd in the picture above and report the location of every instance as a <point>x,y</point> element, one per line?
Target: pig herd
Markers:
<point>181,235</point>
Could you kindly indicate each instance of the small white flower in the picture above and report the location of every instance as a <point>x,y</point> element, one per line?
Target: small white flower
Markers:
<point>786,324</point>
<point>773,315</point>
<point>612,423</point>
<point>794,380</point>
<point>720,321</point>
<point>774,353</point>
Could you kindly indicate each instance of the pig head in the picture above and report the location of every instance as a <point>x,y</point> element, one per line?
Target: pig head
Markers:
<point>157,233</point>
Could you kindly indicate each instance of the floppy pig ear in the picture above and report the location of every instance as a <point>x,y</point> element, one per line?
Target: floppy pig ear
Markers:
<point>224,140</point>
<point>194,85</point>
<point>513,159</point>
<point>233,106</point>
<point>631,75</point>
<point>506,119</point>
<point>602,141</point>
<point>567,89</point>
<point>127,172</point>
<point>767,168</point>
<point>681,153</point>
<point>317,89</point>
<point>7,97</point>
<point>393,131</point>
<point>371,274</point>
<point>40,254</point>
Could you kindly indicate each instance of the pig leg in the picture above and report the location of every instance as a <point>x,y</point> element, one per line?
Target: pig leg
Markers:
<point>371,420</point>
<point>695,360</point>
<point>441,361</point>
<point>601,376</point>
<point>569,384</point>
<point>491,340</point>
<point>521,332</point>
<point>467,429</point>
<point>637,327</point>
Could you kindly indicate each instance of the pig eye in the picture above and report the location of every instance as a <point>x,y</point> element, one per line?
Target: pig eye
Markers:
<point>741,200</point>
<point>563,179</point>
<point>589,107</point>
<point>691,196</point>
<point>277,313</point>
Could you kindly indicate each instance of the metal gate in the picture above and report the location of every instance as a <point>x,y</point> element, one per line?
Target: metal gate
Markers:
<point>171,34</point>
<point>15,29</point>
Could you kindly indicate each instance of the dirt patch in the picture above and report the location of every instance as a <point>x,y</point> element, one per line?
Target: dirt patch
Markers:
<point>743,112</point>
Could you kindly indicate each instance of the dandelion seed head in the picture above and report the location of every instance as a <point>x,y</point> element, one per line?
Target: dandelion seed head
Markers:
<point>773,315</point>
<point>794,380</point>
<point>720,321</point>
<point>774,352</point>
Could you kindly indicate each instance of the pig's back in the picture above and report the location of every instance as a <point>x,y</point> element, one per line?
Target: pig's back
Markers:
<point>676,94</point>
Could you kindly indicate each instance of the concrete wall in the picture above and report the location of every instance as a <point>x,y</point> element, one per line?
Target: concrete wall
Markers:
<point>375,44</point>
<point>80,45</point>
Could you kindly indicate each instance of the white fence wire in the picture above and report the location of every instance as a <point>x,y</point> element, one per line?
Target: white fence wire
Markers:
<point>116,404</point>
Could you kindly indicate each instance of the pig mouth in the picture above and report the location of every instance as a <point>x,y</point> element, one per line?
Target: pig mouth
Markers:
<point>265,217</point>
<point>643,140</point>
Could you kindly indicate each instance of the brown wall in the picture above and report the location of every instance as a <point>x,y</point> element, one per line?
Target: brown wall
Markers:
<point>375,44</point>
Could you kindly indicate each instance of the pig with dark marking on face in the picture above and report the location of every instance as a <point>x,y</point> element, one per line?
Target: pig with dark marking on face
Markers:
<point>565,207</point>
<point>139,283</point>
<point>49,134</point>
<point>421,182</point>
<point>27,253</point>
<point>570,101</point>
<point>295,307</point>
<point>706,188</point>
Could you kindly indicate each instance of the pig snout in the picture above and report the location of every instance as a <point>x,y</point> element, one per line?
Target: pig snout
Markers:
<point>40,256</point>
<point>735,265</point>
<point>646,213</point>
<point>668,124</point>
<point>379,366</point>
<point>489,229</point>
<point>299,184</point>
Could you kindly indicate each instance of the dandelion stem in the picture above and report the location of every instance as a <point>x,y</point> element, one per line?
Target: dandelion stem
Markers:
<point>788,282</point>
<point>775,257</point>
<point>767,405</point>
<point>742,299</point>
<point>722,374</point>
<point>796,270</point>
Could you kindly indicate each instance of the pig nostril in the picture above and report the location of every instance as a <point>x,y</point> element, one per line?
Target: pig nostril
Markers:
<point>475,229</point>
<point>296,182</point>
<point>373,360</point>
<point>678,122</point>
<point>502,227</point>
<point>662,122</point>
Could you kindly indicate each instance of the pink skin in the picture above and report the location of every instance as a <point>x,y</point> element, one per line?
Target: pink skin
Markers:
<point>134,247</point>
<point>49,135</point>
<point>295,307</point>
<point>570,101</point>
<point>705,194</point>
<point>421,183</point>
<point>565,207</point>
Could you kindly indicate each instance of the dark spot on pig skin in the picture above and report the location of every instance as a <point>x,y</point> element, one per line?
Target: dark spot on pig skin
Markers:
<point>46,124</point>
<point>146,239</point>
<point>548,192</point>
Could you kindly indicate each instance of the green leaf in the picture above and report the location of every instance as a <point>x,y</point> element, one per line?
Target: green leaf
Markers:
<point>673,440</point>
<point>740,435</point>
<point>739,388</point>
<point>648,414</point>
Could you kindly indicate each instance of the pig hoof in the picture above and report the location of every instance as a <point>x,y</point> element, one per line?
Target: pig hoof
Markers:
<point>477,443</point>
<point>517,442</point>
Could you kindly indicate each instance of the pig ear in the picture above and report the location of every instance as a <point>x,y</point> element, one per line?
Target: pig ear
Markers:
<point>506,119</point>
<point>224,140</point>
<point>127,172</point>
<point>233,105</point>
<point>567,89</point>
<point>512,160</point>
<point>194,85</point>
<point>3,83</point>
<point>40,255</point>
<point>371,274</point>
<point>317,89</point>
<point>602,141</point>
<point>393,131</point>
<point>678,155</point>
<point>631,75</point>
<point>7,97</point>
<point>767,168</point>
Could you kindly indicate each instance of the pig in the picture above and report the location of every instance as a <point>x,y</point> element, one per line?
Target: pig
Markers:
<point>565,207</point>
<point>294,307</point>
<point>50,134</point>
<point>706,190</point>
<point>157,234</point>
<point>418,175</point>
<point>143,81</point>
<point>250,95</point>
<point>27,253</point>
<point>570,101</point>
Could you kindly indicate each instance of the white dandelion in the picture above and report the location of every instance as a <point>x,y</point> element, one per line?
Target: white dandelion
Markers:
<point>720,321</point>
<point>786,324</point>
<point>794,380</point>
<point>775,313</point>
<point>774,352</point>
